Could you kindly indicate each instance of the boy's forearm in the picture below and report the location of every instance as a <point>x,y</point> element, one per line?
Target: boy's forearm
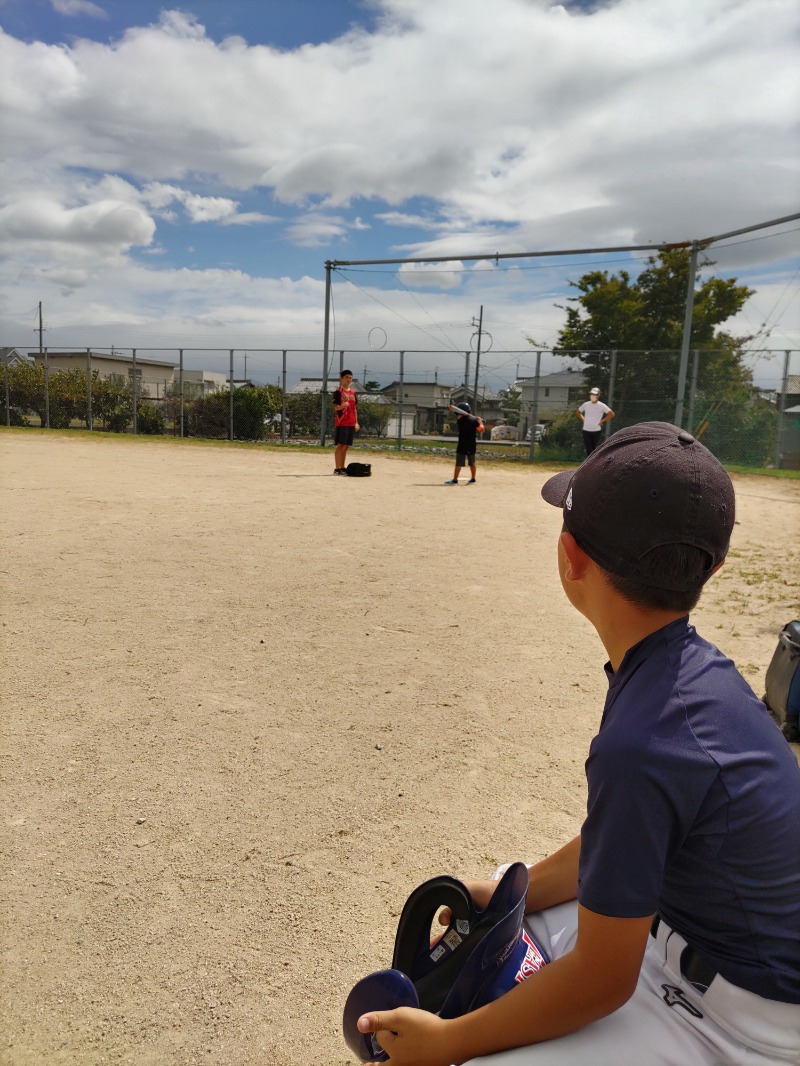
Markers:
<point>554,879</point>
<point>557,1000</point>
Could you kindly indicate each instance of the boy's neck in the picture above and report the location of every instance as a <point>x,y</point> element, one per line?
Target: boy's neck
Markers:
<point>623,625</point>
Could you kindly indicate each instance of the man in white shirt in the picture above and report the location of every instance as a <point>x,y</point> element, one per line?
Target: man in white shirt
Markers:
<point>593,414</point>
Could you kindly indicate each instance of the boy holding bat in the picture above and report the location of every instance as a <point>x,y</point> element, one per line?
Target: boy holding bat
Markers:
<point>469,426</point>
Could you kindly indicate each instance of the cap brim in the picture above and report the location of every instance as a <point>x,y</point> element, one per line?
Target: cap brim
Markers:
<point>380,991</point>
<point>555,489</point>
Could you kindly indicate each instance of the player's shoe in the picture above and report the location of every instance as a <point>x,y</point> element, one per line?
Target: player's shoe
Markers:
<point>472,481</point>
<point>452,481</point>
<point>340,470</point>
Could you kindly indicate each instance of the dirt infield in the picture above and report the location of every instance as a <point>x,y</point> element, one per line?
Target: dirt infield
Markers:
<point>249,706</point>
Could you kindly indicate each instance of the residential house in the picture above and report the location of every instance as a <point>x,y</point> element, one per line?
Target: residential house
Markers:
<point>558,393</point>
<point>315,385</point>
<point>202,382</point>
<point>428,400</point>
<point>12,357</point>
<point>153,375</point>
<point>489,407</point>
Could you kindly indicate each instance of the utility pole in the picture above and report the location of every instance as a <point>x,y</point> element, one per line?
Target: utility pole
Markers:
<point>479,324</point>
<point>43,357</point>
<point>245,366</point>
<point>687,333</point>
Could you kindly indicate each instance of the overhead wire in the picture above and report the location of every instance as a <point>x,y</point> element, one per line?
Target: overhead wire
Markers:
<point>414,297</point>
<point>392,311</point>
<point>765,328</point>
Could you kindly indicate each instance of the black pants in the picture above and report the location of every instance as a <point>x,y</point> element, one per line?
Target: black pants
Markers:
<point>591,440</point>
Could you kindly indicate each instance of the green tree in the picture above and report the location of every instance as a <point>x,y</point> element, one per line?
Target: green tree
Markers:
<point>643,321</point>
<point>64,399</point>
<point>208,416</point>
<point>150,419</point>
<point>272,399</point>
<point>250,411</point>
<point>373,417</point>
<point>303,411</point>
<point>112,401</point>
<point>68,397</point>
<point>26,388</point>
<point>511,404</point>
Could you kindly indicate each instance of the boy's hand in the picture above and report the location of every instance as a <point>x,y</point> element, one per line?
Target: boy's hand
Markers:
<point>409,1036</point>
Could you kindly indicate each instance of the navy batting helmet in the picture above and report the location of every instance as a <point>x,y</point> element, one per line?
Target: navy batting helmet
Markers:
<point>463,407</point>
<point>481,955</point>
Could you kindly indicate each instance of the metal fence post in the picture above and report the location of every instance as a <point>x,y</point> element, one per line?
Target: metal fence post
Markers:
<point>135,395</point>
<point>283,400</point>
<point>323,427</point>
<point>8,408</point>
<point>612,381</point>
<point>781,409</point>
<point>693,389</point>
<point>89,423</point>
<point>46,391</point>
<point>535,407</point>
<point>231,394</point>
<point>400,406</point>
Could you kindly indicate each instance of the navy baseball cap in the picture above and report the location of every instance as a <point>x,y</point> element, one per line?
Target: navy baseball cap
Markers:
<point>647,486</point>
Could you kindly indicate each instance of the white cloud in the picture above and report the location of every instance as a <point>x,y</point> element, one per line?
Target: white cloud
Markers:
<point>313,230</point>
<point>78,7</point>
<point>478,128</point>
<point>106,224</point>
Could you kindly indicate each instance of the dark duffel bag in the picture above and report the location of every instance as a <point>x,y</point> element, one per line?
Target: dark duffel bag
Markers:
<point>783,682</point>
<point>359,470</point>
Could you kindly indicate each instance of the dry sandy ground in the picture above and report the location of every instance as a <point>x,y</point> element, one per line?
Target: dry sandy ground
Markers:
<point>250,706</point>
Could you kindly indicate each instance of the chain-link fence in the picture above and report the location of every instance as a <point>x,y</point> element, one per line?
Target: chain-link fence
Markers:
<point>744,405</point>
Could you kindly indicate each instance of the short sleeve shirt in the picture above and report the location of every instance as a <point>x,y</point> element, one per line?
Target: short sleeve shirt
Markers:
<point>349,416</point>
<point>694,811</point>
<point>467,436</point>
<point>593,414</point>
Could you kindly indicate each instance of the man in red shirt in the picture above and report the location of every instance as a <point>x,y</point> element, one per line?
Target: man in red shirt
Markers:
<point>345,407</point>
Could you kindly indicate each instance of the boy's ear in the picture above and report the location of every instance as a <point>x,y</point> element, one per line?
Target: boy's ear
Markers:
<point>577,559</point>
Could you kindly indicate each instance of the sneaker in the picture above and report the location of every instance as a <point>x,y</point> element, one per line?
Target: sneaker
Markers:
<point>472,481</point>
<point>452,481</point>
<point>340,470</point>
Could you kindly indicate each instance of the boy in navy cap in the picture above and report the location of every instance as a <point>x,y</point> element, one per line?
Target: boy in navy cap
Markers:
<point>673,919</point>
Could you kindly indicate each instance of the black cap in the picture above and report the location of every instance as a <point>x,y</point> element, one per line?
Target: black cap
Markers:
<point>647,486</point>
<point>463,407</point>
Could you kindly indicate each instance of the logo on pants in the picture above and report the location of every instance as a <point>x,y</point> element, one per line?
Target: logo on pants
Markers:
<point>676,997</point>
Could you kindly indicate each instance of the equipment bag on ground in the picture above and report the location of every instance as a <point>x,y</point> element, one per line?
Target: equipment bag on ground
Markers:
<point>783,682</point>
<point>359,470</point>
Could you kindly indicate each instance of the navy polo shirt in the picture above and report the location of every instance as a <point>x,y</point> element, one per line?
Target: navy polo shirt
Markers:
<point>694,811</point>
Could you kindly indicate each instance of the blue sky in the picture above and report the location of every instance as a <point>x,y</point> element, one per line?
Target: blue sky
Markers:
<point>176,175</point>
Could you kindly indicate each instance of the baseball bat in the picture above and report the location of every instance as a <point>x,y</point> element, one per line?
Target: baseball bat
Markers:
<point>466,414</point>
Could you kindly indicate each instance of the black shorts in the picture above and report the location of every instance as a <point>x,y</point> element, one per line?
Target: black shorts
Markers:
<point>465,458</point>
<point>344,434</point>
